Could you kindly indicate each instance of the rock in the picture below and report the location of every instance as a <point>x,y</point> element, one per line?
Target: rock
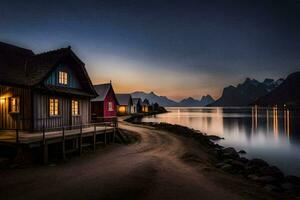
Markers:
<point>258,163</point>
<point>243,160</point>
<point>252,177</point>
<point>242,152</point>
<point>230,153</point>
<point>227,167</point>
<point>272,171</point>
<point>238,164</point>
<point>220,164</point>
<point>293,179</point>
<point>272,188</point>
<point>288,186</point>
<point>266,179</point>
<point>214,137</point>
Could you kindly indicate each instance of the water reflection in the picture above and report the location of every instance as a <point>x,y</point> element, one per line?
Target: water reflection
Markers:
<point>268,133</point>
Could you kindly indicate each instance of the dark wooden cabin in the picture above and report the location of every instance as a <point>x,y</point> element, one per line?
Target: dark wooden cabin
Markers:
<point>136,105</point>
<point>105,105</point>
<point>145,106</point>
<point>48,90</point>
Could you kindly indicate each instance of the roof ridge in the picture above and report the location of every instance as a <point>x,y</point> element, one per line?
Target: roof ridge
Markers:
<point>53,51</point>
<point>15,46</point>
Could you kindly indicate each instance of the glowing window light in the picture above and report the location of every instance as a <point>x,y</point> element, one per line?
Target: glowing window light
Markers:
<point>122,109</point>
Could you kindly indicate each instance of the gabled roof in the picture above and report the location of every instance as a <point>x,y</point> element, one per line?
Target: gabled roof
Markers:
<point>136,100</point>
<point>146,102</point>
<point>25,68</point>
<point>13,63</point>
<point>102,91</point>
<point>124,99</point>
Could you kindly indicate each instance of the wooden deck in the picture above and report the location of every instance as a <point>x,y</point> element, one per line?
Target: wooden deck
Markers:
<point>25,137</point>
<point>93,133</point>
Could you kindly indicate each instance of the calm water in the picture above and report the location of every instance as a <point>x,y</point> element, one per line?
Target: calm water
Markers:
<point>271,134</point>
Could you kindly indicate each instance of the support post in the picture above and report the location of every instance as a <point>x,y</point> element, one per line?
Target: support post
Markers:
<point>17,136</point>
<point>45,147</point>
<point>63,143</point>
<point>115,127</point>
<point>80,141</point>
<point>94,137</point>
<point>105,136</point>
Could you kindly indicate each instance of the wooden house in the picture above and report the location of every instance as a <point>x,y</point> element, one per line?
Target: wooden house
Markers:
<point>125,104</point>
<point>46,90</point>
<point>105,105</point>
<point>145,106</point>
<point>136,105</point>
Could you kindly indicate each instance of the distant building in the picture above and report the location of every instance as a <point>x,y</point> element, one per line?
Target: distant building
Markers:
<point>145,106</point>
<point>105,104</point>
<point>44,90</point>
<point>136,105</point>
<point>125,103</point>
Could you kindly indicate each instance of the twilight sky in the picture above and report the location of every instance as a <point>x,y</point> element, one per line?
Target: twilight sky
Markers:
<point>174,48</point>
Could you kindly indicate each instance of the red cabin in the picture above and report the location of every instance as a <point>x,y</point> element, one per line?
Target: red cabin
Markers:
<point>105,105</point>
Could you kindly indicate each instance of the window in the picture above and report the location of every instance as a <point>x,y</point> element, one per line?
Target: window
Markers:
<point>122,109</point>
<point>53,107</point>
<point>75,107</point>
<point>110,106</point>
<point>63,78</point>
<point>14,104</point>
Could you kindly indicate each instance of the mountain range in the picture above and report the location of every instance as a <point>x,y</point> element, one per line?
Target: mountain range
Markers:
<point>153,98</point>
<point>166,102</point>
<point>246,93</point>
<point>287,93</point>
<point>191,102</point>
<point>250,92</point>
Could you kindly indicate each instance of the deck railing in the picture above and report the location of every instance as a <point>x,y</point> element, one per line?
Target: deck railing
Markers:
<point>44,129</point>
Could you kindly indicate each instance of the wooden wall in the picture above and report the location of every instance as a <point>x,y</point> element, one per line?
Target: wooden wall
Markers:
<point>65,118</point>
<point>9,120</point>
<point>73,81</point>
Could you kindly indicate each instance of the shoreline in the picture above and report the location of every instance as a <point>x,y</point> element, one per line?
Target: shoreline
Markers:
<point>229,160</point>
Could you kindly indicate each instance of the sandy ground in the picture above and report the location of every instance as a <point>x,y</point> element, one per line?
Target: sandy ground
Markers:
<point>152,168</point>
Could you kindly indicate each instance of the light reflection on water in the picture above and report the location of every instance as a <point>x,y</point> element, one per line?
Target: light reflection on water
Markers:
<point>268,133</point>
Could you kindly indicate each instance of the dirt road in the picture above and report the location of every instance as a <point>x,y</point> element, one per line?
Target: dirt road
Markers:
<point>152,168</point>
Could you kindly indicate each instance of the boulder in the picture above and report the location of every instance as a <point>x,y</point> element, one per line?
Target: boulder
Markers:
<point>243,160</point>
<point>272,171</point>
<point>252,177</point>
<point>230,153</point>
<point>293,179</point>
<point>258,163</point>
<point>288,186</point>
<point>238,165</point>
<point>242,152</point>
<point>214,137</point>
<point>227,167</point>
<point>266,179</point>
<point>272,188</point>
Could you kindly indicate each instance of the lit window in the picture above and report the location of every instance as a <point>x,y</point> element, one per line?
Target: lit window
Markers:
<point>53,107</point>
<point>75,107</point>
<point>122,109</point>
<point>63,78</point>
<point>14,104</point>
<point>110,106</point>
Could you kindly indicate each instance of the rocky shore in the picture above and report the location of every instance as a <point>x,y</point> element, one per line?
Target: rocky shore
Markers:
<point>232,161</point>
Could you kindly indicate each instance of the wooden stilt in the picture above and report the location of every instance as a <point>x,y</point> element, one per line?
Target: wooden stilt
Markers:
<point>63,144</point>
<point>80,141</point>
<point>105,142</point>
<point>45,156</point>
<point>94,139</point>
<point>45,148</point>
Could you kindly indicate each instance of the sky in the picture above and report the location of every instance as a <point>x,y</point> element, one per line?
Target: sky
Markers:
<point>174,48</point>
